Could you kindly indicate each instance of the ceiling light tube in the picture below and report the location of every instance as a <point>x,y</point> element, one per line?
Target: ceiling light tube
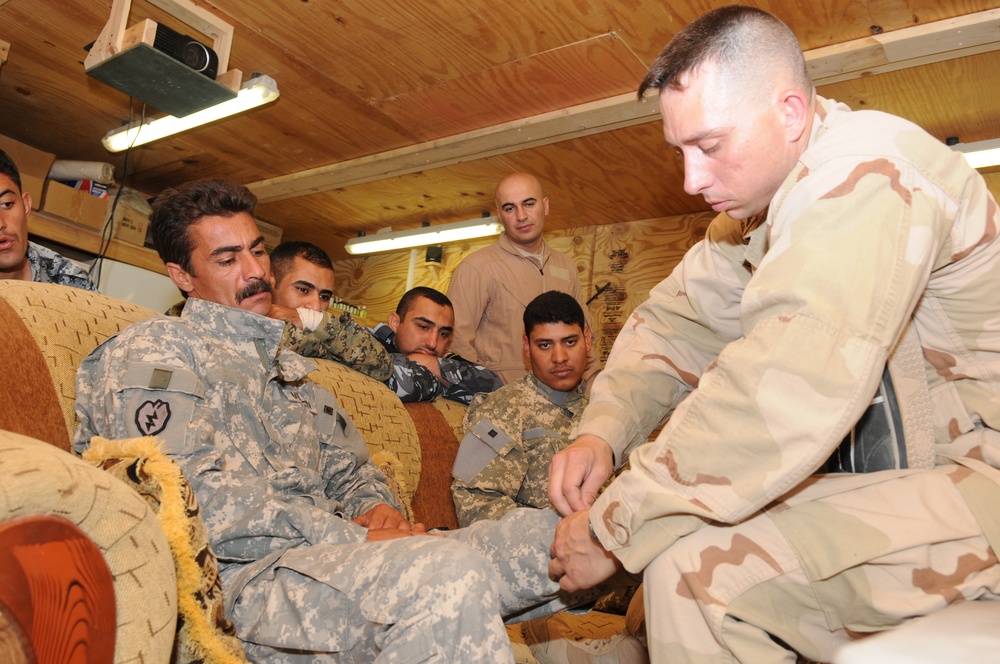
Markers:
<point>418,237</point>
<point>258,91</point>
<point>981,153</point>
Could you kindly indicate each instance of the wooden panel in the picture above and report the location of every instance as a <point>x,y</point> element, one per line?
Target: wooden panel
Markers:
<point>484,98</point>
<point>631,258</point>
<point>443,195</point>
<point>381,52</point>
<point>954,98</point>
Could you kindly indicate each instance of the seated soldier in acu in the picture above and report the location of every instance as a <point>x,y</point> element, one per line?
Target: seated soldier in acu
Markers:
<point>418,335</point>
<point>512,434</point>
<point>317,563</point>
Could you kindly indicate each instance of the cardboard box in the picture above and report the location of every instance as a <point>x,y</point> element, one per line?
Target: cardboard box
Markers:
<point>75,205</point>
<point>33,164</point>
<point>130,224</point>
<point>271,233</point>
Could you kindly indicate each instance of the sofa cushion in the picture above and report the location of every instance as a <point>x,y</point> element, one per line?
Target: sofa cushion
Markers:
<point>432,503</point>
<point>595,638</point>
<point>30,404</point>
<point>67,323</point>
<point>203,632</point>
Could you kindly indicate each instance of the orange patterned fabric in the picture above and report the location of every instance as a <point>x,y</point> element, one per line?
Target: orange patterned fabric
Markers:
<point>30,405</point>
<point>67,323</point>
<point>432,504</point>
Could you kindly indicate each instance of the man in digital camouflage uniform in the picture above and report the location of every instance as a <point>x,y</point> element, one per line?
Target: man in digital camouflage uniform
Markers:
<point>849,240</point>
<point>418,335</point>
<point>511,434</point>
<point>313,331</point>
<point>20,258</point>
<point>317,563</point>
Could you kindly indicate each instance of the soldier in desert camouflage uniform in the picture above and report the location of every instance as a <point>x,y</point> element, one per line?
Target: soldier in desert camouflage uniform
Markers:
<point>316,561</point>
<point>418,336</point>
<point>878,244</point>
<point>511,434</point>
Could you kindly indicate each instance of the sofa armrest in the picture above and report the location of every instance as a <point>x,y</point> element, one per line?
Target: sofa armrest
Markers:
<point>41,480</point>
<point>203,632</point>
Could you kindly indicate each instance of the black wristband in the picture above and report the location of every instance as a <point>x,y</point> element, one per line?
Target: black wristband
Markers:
<point>593,535</point>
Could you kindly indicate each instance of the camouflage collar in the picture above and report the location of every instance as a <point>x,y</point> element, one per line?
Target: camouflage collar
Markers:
<point>385,334</point>
<point>567,400</point>
<point>248,330</point>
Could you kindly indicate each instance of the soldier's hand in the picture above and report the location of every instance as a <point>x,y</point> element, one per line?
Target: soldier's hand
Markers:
<point>383,516</point>
<point>382,534</point>
<point>289,314</point>
<point>578,472</point>
<point>431,363</point>
<point>578,560</point>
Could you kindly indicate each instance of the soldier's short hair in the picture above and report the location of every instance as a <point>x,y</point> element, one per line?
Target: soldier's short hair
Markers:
<point>178,208</point>
<point>747,41</point>
<point>553,307</point>
<point>283,257</point>
<point>9,168</point>
<point>410,297</point>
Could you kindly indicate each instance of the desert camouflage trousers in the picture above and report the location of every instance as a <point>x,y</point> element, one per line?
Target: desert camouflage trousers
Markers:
<point>413,599</point>
<point>845,556</point>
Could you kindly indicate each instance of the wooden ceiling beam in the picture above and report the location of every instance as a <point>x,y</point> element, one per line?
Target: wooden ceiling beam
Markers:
<point>909,47</point>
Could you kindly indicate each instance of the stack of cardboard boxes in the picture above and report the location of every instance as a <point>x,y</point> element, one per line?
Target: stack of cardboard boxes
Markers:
<point>80,205</point>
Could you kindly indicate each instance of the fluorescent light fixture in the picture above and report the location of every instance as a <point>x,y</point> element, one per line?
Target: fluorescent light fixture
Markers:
<point>258,91</point>
<point>981,153</point>
<point>418,237</point>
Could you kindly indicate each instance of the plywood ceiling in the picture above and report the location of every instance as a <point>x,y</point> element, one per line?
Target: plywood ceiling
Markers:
<point>362,80</point>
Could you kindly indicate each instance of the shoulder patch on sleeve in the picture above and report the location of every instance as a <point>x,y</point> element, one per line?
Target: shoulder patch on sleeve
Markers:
<point>481,445</point>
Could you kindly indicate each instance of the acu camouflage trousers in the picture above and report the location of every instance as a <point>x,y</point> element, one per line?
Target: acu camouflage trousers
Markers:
<point>844,556</point>
<point>413,599</point>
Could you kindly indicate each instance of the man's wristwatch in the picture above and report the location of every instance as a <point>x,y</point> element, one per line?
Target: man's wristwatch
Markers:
<point>593,535</point>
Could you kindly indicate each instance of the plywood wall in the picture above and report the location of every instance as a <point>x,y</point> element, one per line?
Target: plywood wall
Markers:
<point>623,260</point>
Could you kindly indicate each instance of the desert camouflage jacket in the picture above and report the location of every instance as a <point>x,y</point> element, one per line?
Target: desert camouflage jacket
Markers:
<point>510,438</point>
<point>337,338</point>
<point>49,267</point>
<point>766,343</point>
<point>413,382</point>
<point>274,461</point>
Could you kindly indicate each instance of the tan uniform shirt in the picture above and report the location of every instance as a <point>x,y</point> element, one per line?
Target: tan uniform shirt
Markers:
<point>490,290</point>
<point>768,352</point>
